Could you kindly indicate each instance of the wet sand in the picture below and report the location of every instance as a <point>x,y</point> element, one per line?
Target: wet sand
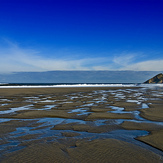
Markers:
<point>155,138</point>
<point>81,125</point>
<point>153,113</point>
<point>107,150</point>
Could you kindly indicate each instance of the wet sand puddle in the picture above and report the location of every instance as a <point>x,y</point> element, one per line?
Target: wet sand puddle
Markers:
<point>93,115</point>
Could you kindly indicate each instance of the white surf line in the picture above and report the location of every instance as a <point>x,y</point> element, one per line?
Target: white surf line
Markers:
<point>84,85</point>
<point>75,85</point>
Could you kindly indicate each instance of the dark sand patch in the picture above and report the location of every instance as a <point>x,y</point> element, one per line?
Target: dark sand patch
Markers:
<point>86,127</point>
<point>31,114</point>
<point>30,142</point>
<point>71,105</point>
<point>154,113</point>
<point>27,137</point>
<point>68,126</point>
<point>100,109</point>
<point>70,134</point>
<point>38,153</point>
<point>38,106</point>
<point>155,139</point>
<point>140,126</point>
<point>109,116</point>
<point>107,151</point>
<point>128,106</point>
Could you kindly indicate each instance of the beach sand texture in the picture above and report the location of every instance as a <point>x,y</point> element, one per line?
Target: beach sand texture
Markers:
<point>81,125</point>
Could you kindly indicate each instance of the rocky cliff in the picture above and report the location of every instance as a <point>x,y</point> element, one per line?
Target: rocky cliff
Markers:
<point>156,79</point>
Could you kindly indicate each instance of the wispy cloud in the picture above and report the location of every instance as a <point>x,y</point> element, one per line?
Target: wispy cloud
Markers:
<point>16,59</point>
<point>150,65</point>
<point>124,59</point>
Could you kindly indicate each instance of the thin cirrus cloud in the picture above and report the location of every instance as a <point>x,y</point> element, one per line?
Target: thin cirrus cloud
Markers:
<point>129,62</point>
<point>124,59</point>
<point>150,65</point>
<point>16,59</point>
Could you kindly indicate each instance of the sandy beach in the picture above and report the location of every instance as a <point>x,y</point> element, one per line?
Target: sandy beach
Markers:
<point>84,124</point>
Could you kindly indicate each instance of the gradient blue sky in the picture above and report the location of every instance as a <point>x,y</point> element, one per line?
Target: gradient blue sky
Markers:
<point>45,35</point>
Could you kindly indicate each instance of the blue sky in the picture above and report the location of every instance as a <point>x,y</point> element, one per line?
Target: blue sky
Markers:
<point>45,35</point>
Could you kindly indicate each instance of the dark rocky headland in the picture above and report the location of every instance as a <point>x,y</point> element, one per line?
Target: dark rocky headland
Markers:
<point>156,79</point>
